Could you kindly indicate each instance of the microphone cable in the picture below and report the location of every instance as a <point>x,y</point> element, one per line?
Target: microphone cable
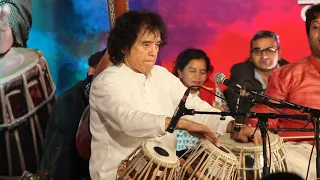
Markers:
<point>269,143</point>
<point>207,91</point>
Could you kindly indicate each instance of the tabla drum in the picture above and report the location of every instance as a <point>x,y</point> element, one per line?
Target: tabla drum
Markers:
<point>27,93</point>
<point>151,161</point>
<point>251,156</point>
<point>83,136</point>
<point>207,161</point>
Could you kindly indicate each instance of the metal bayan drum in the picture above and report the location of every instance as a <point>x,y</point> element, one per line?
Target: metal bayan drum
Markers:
<point>207,161</point>
<point>151,161</point>
<point>26,95</point>
<point>83,136</point>
<point>251,156</point>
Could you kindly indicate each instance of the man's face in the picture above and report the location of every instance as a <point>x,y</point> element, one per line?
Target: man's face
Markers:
<point>314,37</point>
<point>143,53</point>
<point>265,54</point>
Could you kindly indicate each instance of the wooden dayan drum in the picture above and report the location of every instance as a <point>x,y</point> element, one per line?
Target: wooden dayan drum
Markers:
<point>207,161</point>
<point>151,161</point>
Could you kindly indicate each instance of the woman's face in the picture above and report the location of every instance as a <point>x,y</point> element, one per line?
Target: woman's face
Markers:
<point>194,74</point>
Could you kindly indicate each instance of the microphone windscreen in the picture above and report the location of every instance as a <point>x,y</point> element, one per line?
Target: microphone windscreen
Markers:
<point>219,77</point>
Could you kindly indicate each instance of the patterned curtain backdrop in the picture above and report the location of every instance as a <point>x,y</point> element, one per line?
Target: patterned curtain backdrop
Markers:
<point>69,31</point>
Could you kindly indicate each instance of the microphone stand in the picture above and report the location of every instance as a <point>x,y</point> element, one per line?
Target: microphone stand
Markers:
<point>315,123</point>
<point>263,121</point>
<point>262,125</point>
<point>315,117</point>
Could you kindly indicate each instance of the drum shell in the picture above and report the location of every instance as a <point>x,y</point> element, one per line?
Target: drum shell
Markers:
<point>251,156</point>
<point>145,164</point>
<point>206,161</point>
<point>152,169</point>
<point>26,101</point>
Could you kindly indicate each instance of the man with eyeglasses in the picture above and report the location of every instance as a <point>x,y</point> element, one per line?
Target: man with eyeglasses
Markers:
<point>265,56</point>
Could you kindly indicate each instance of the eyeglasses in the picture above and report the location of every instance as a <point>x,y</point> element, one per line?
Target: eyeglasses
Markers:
<point>269,51</point>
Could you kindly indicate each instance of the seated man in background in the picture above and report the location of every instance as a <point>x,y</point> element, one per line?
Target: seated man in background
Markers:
<point>193,68</point>
<point>94,60</point>
<point>60,156</point>
<point>265,56</point>
<point>297,83</point>
<point>103,64</point>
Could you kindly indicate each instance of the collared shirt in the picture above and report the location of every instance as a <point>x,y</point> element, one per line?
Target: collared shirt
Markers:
<point>127,108</point>
<point>297,83</point>
<point>259,78</point>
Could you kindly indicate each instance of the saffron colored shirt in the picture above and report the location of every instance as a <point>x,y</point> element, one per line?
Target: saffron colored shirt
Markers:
<point>127,108</point>
<point>297,83</point>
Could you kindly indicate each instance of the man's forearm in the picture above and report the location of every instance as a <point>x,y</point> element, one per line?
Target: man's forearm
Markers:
<point>182,123</point>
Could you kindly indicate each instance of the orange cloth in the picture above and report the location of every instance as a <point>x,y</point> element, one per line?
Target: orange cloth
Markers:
<point>205,95</point>
<point>297,83</point>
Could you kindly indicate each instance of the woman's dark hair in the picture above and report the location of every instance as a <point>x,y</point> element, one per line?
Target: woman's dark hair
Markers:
<point>186,56</point>
<point>125,31</point>
<point>311,14</point>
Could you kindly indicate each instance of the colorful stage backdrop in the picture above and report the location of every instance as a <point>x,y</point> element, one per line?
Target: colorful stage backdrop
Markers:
<point>69,31</point>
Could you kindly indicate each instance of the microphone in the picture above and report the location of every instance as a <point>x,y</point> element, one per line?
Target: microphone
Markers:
<point>180,111</point>
<point>239,120</point>
<point>220,78</point>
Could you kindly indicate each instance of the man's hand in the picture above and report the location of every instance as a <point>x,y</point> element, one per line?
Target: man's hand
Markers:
<point>245,134</point>
<point>6,37</point>
<point>4,17</point>
<point>196,129</point>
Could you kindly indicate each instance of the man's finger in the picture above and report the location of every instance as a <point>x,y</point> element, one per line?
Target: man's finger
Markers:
<point>6,10</point>
<point>243,139</point>
<point>255,140</point>
<point>212,137</point>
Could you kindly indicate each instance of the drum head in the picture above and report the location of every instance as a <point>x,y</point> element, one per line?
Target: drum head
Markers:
<point>222,150</point>
<point>227,141</point>
<point>155,150</point>
<point>16,62</point>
